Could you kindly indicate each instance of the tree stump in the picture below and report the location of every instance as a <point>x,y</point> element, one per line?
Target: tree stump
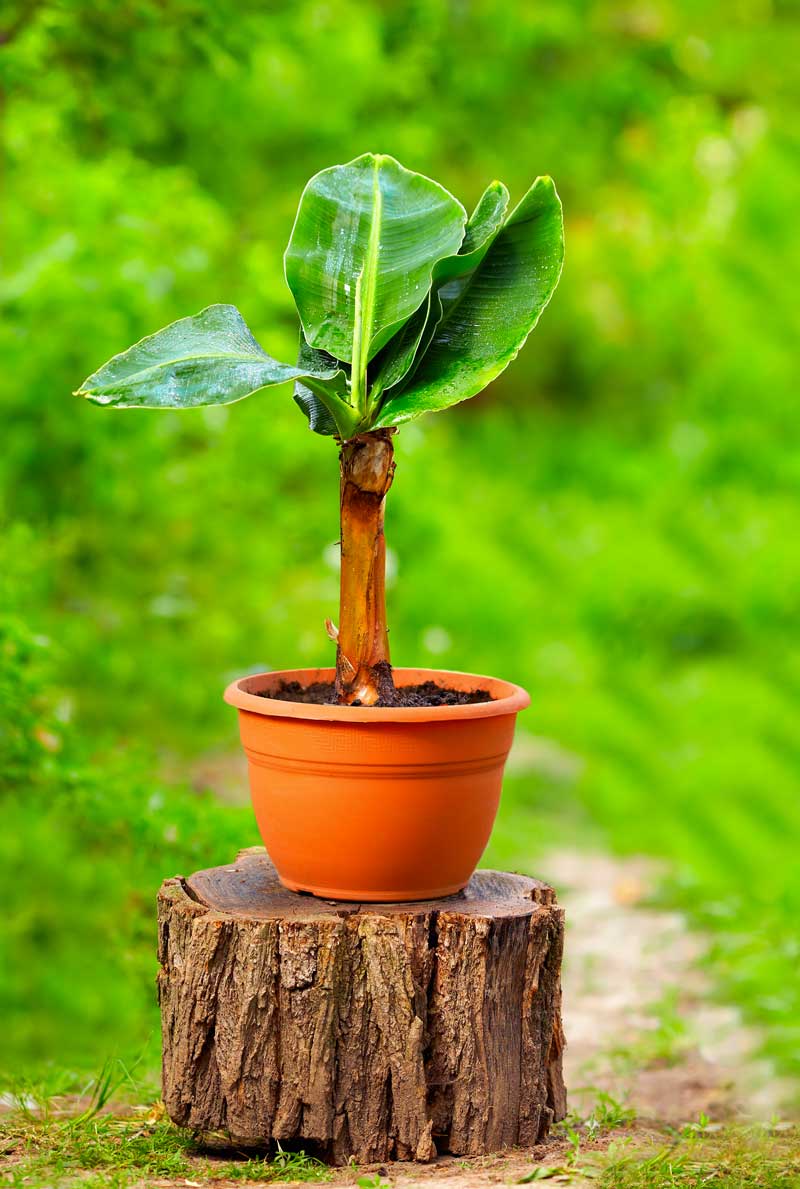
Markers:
<point>380,1031</point>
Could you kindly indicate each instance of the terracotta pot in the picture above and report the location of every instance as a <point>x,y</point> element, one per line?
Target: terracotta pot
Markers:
<point>359,803</point>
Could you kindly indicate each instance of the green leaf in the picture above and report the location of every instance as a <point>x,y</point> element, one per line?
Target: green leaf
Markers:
<point>483,330</point>
<point>394,362</point>
<point>451,275</point>
<point>391,365</point>
<point>483,225</point>
<point>324,402</point>
<point>208,359</point>
<point>361,255</point>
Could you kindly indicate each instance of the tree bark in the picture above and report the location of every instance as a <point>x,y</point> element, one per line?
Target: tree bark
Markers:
<point>363,668</point>
<point>380,1032</point>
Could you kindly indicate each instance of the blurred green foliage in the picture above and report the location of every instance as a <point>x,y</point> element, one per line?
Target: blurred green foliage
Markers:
<point>613,524</point>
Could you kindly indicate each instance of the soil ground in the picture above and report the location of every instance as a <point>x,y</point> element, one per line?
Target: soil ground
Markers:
<point>428,693</point>
<point>641,1018</point>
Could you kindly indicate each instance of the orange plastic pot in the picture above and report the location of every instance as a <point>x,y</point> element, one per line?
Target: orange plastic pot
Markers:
<point>359,803</point>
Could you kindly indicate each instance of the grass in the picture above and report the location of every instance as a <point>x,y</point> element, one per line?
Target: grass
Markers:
<point>665,1043</point>
<point>732,1159</point>
<point>56,1142</point>
<point>93,1148</point>
<point>608,1149</point>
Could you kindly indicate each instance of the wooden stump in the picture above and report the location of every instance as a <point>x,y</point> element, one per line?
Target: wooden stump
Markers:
<point>382,1031</point>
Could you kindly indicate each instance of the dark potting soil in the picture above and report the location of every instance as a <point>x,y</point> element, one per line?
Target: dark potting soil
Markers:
<point>428,693</point>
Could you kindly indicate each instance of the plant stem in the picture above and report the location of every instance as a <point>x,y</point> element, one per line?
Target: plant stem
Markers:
<point>363,669</point>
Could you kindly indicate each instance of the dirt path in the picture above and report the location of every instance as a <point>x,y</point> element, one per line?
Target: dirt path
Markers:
<point>639,1010</point>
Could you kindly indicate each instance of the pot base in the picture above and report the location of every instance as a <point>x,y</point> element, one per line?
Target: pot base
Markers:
<point>371,897</point>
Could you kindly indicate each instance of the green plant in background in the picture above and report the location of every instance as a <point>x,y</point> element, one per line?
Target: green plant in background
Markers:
<point>644,589</point>
<point>406,307</point>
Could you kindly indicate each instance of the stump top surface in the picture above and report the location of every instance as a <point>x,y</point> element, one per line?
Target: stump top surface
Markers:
<point>249,888</point>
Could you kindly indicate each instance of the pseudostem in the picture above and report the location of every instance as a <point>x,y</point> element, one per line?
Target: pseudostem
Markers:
<point>363,668</point>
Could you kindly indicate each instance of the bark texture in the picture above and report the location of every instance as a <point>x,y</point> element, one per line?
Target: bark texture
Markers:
<point>363,670</point>
<point>381,1032</point>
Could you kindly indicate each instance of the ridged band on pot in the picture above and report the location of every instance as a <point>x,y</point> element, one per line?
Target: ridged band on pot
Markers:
<point>375,804</point>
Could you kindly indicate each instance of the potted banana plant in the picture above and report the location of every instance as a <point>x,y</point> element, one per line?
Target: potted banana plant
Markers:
<point>369,782</point>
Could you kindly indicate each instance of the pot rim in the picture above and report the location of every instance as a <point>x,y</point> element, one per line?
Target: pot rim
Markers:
<point>508,698</point>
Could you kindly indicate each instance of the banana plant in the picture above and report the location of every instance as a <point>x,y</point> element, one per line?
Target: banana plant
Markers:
<point>406,306</point>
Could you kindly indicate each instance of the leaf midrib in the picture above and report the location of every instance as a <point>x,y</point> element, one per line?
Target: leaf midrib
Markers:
<point>366,295</point>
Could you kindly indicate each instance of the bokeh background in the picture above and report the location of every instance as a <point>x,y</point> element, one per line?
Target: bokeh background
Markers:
<point>613,524</point>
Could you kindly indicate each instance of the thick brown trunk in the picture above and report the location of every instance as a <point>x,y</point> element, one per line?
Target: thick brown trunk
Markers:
<point>375,1031</point>
<point>363,669</point>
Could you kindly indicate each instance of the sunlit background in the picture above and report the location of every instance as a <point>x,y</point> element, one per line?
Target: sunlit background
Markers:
<point>613,524</point>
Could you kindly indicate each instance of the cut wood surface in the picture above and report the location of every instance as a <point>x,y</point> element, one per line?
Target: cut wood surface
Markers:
<point>381,1031</point>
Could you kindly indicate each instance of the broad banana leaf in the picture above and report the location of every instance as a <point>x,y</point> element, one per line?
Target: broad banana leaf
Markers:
<point>482,227</point>
<point>481,331</point>
<point>452,274</point>
<point>396,361</point>
<point>207,359</point>
<point>362,252</point>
